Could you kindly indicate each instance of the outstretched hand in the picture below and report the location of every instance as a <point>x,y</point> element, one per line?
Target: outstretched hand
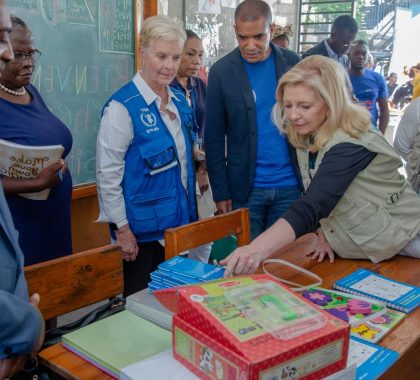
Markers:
<point>243,260</point>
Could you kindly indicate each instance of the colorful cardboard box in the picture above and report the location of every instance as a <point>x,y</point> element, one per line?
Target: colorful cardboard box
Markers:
<point>230,329</point>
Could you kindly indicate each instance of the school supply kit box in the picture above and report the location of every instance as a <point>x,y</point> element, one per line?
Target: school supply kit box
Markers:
<point>253,327</point>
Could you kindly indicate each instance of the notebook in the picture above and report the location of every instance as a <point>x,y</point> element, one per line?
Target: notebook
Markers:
<point>365,361</point>
<point>118,341</point>
<point>370,320</point>
<point>24,161</point>
<point>181,271</point>
<point>191,268</point>
<point>371,360</point>
<point>395,294</point>
<point>162,366</point>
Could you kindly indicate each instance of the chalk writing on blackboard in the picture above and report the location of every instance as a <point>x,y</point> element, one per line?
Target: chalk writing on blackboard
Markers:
<point>27,4</point>
<point>76,74</point>
<point>115,20</point>
<point>82,12</point>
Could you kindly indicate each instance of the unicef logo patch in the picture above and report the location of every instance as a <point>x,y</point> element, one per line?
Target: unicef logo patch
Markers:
<point>148,119</point>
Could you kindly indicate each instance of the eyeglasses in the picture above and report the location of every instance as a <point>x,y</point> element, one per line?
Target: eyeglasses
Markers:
<point>20,56</point>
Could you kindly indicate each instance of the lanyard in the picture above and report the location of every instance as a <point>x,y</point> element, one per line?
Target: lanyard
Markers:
<point>193,97</point>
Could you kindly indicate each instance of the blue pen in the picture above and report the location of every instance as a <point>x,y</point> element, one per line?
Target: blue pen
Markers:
<point>60,174</point>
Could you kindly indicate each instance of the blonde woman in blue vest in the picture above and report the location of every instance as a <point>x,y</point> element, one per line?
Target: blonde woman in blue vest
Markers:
<point>356,200</point>
<point>145,168</point>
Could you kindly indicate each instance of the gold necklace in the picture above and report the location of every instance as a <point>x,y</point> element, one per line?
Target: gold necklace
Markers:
<point>17,93</point>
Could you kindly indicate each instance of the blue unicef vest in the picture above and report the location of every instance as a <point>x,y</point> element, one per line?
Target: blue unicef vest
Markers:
<point>154,196</point>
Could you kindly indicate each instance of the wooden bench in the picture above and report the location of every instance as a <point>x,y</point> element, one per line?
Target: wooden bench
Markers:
<point>71,282</point>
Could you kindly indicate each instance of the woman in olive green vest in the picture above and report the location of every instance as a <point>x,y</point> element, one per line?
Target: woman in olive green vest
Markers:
<point>355,198</point>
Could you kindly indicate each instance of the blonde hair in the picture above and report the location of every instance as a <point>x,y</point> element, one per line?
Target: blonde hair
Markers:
<point>330,82</point>
<point>161,27</point>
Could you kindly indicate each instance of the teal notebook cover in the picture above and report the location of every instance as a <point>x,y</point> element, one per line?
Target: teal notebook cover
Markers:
<point>371,360</point>
<point>118,341</point>
<point>395,294</point>
<point>190,269</point>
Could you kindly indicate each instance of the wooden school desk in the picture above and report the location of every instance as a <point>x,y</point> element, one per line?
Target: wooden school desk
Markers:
<point>405,338</point>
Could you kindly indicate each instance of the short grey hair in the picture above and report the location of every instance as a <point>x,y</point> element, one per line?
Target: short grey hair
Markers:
<point>161,27</point>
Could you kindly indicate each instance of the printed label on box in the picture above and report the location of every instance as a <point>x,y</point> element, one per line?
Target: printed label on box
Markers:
<point>306,364</point>
<point>207,360</point>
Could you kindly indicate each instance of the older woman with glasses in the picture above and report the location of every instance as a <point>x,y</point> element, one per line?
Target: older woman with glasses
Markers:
<point>43,225</point>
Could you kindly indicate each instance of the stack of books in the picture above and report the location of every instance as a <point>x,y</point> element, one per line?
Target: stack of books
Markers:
<point>148,307</point>
<point>183,271</point>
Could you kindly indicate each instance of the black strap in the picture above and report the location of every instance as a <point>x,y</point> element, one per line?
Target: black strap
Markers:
<point>115,305</point>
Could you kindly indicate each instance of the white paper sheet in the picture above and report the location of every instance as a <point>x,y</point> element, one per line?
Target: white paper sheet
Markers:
<point>168,369</point>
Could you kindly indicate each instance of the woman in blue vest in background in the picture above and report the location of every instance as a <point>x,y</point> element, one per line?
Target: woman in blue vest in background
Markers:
<point>145,169</point>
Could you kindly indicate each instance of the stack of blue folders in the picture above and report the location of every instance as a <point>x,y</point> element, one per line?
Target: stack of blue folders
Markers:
<point>182,271</point>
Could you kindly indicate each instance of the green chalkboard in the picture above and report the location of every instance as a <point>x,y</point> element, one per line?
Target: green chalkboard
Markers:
<point>87,53</point>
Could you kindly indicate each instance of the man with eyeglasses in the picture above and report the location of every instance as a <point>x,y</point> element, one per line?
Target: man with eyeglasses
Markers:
<point>22,57</point>
<point>21,325</point>
<point>343,34</point>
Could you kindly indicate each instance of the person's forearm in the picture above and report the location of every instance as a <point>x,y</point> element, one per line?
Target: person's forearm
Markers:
<point>383,120</point>
<point>13,186</point>
<point>111,203</point>
<point>276,237</point>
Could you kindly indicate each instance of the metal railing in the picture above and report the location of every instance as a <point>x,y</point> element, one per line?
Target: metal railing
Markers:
<point>374,14</point>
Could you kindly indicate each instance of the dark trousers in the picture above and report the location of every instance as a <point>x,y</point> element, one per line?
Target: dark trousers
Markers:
<point>137,272</point>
